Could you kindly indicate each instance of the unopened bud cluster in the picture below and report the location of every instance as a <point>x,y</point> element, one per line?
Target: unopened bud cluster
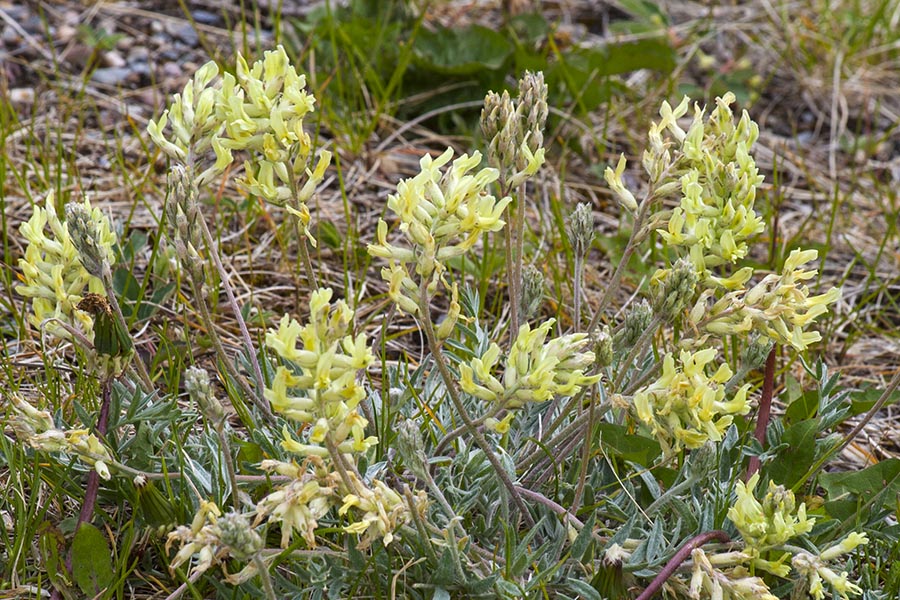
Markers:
<point>515,130</point>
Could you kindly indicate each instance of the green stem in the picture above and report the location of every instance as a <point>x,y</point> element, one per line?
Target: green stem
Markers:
<point>585,455</point>
<point>263,571</point>
<point>307,260</point>
<point>245,334</point>
<point>207,319</point>
<point>630,247</point>
<point>450,384</point>
<point>229,466</point>
<point>137,361</point>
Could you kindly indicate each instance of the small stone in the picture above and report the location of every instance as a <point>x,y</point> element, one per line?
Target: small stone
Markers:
<point>113,59</point>
<point>138,54</point>
<point>205,17</point>
<point>111,75</point>
<point>183,31</point>
<point>22,96</point>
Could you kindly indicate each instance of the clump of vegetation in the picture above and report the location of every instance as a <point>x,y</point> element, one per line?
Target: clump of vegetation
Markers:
<point>519,456</point>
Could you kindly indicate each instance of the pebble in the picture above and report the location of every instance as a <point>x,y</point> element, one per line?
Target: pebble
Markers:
<point>138,54</point>
<point>114,59</point>
<point>184,31</point>
<point>205,17</point>
<point>22,96</point>
<point>112,75</point>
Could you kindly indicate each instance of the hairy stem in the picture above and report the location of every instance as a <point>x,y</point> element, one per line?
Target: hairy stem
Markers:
<point>450,384</point>
<point>137,362</point>
<point>680,557</point>
<point>263,571</point>
<point>207,319</point>
<point>245,334</point>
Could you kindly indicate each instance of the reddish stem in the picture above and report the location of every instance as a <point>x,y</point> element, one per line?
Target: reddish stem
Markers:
<point>93,483</point>
<point>680,557</point>
<point>765,410</point>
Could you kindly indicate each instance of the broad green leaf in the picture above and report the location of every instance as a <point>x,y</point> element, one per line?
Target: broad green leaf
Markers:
<point>797,455</point>
<point>91,560</point>
<point>462,51</point>
<point>617,440</point>
<point>882,478</point>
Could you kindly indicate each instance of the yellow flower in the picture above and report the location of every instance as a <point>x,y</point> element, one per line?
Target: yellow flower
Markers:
<point>685,407</point>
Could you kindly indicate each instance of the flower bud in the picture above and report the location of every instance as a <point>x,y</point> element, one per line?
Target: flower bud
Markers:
<point>196,382</point>
<point>235,532</point>
<point>637,320</point>
<point>91,235</point>
<point>532,291</point>
<point>411,448</point>
<point>581,228</point>
<point>673,289</point>
<point>603,348</point>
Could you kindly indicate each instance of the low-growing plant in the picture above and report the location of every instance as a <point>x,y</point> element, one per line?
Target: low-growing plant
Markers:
<point>615,459</point>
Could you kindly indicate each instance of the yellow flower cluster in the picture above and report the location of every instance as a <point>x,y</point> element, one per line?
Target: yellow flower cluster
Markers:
<point>320,386</point>
<point>768,524</point>
<point>771,522</point>
<point>36,428</point>
<point>300,504</point>
<point>384,511</point>
<point>718,183</point>
<point>535,370</point>
<point>259,109</point>
<point>195,127</point>
<point>817,573</point>
<point>442,215</point>
<point>779,306</point>
<point>685,407</point>
<point>55,278</point>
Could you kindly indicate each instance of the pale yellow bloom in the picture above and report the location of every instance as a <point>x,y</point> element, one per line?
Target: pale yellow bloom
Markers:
<point>686,407</point>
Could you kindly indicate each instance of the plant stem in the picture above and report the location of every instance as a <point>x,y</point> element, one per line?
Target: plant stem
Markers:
<point>455,433</point>
<point>245,334</point>
<point>263,571</point>
<point>585,455</point>
<point>450,384</point>
<point>579,276</point>
<point>92,488</point>
<point>513,285</point>
<point>206,316</point>
<point>137,361</point>
<point>630,247</point>
<point>519,257</point>
<point>229,466</point>
<point>680,557</point>
<point>765,409</point>
<point>307,261</point>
